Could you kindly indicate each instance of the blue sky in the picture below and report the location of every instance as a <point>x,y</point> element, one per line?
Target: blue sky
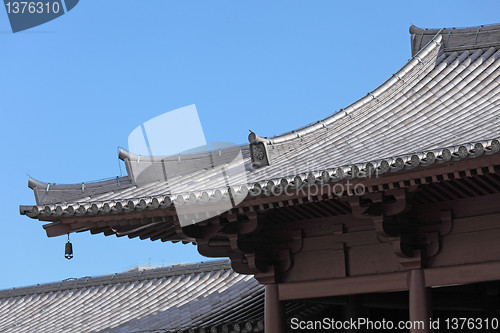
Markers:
<point>73,89</point>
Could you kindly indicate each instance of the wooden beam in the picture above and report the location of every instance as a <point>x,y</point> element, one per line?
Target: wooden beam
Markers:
<point>343,286</point>
<point>57,229</point>
<point>397,281</point>
<point>462,274</point>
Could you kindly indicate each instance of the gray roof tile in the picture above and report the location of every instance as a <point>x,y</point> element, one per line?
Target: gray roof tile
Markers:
<point>446,96</point>
<point>172,298</point>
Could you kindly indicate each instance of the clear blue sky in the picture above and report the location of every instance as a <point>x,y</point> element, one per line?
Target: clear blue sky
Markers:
<point>74,88</point>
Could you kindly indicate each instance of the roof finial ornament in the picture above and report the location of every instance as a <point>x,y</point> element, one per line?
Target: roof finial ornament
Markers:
<point>252,137</point>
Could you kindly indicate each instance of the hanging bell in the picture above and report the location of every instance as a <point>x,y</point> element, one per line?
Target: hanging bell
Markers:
<point>68,253</point>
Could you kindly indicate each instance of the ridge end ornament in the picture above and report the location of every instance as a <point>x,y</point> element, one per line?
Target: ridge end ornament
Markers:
<point>259,153</point>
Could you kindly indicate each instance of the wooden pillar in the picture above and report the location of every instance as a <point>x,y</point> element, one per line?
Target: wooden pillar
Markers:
<point>274,310</point>
<point>419,300</point>
<point>353,311</point>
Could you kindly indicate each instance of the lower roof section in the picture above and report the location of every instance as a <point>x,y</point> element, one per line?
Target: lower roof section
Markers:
<point>169,298</point>
<point>177,298</point>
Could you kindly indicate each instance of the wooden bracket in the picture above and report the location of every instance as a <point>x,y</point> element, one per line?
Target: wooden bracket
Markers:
<point>285,260</point>
<point>296,244</point>
<point>398,222</point>
<point>413,262</point>
<point>387,203</point>
<point>446,222</point>
<point>255,247</point>
<point>257,262</point>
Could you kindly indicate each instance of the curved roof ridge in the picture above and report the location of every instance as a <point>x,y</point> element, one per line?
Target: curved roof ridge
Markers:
<point>123,153</point>
<point>455,39</point>
<point>34,183</point>
<point>59,193</point>
<point>52,192</point>
<point>374,94</point>
<point>432,31</point>
<point>406,161</point>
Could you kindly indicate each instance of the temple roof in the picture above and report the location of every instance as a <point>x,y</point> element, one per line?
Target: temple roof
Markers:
<point>169,299</point>
<point>443,105</point>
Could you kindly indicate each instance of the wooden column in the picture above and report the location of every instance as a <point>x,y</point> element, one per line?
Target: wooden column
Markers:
<point>353,311</point>
<point>274,310</point>
<point>419,300</point>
